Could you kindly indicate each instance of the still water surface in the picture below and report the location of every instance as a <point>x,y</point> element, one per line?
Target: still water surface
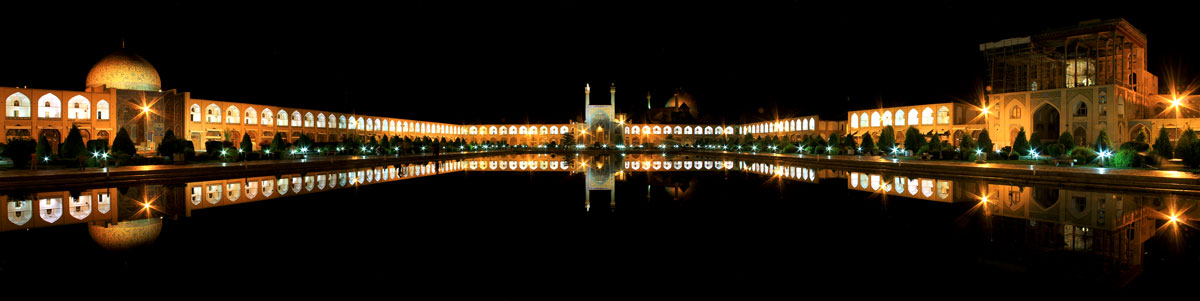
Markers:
<point>613,226</point>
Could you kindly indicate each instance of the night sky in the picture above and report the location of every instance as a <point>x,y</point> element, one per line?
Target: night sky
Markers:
<point>463,62</point>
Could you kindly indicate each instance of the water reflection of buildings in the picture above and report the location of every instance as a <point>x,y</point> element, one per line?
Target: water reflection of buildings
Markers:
<point>1025,225</point>
<point>1103,232</point>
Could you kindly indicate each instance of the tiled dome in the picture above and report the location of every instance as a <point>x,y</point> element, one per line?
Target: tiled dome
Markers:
<point>127,234</point>
<point>124,70</point>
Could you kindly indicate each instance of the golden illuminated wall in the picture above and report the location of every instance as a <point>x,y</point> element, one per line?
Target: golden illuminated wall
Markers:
<point>518,134</point>
<point>957,119</point>
<point>637,134</point>
<point>30,113</point>
<point>209,120</point>
<point>45,209</point>
<point>793,128</point>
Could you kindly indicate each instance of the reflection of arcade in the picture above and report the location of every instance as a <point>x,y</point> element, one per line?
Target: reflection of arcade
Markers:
<point>1102,232</point>
<point>917,188</point>
<point>225,192</point>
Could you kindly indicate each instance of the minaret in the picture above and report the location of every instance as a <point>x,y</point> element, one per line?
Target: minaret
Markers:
<point>612,95</point>
<point>647,99</point>
<point>587,95</point>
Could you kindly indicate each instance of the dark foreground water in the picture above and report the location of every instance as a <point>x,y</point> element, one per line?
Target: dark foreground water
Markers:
<point>635,227</point>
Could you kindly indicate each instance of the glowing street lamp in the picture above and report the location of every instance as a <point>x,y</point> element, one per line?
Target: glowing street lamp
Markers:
<point>1104,154</point>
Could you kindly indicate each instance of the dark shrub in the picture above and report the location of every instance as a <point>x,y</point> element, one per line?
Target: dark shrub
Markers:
<point>1083,154</point>
<point>1162,145</point>
<point>1054,149</point>
<point>18,150</point>
<point>122,144</point>
<point>1136,146</point>
<point>1126,158</point>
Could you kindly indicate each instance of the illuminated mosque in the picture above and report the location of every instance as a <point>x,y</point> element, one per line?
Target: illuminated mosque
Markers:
<point>1080,79</point>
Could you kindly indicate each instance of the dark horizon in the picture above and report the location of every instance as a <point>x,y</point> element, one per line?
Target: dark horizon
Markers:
<point>471,64</point>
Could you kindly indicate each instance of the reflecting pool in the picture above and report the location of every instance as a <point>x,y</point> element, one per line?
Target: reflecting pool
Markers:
<point>615,226</point>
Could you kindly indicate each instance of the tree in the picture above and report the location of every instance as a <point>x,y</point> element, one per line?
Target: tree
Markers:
<point>868,144</point>
<point>887,139</point>
<point>43,148</point>
<point>985,141</point>
<point>304,141</point>
<point>122,144</point>
<point>1067,140</point>
<point>246,145</point>
<point>1035,142</point>
<point>277,143</point>
<point>1141,137</point>
<point>913,139</point>
<point>834,143</point>
<point>1162,145</point>
<point>1102,141</point>
<point>73,147</point>
<point>850,143</point>
<point>385,144</point>
<point>966,147</point>
<point>1188,148</point>
<point>18,150</point>
<point>1020,145</point>
<point>168,146</point>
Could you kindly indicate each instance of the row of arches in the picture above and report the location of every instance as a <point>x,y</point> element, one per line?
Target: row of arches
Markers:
<point>924,117</point>
<point>250,116</point>
<point>790,125</point>
<point>517,130</point>
<point>250,189</point>
<point>51,208</point>
<point>677,130</point>
<point>18,105</point>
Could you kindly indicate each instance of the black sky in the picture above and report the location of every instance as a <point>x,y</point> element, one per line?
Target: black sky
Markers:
<point>470,62</point>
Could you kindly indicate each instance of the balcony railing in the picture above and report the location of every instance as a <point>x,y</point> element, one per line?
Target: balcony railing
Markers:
<point>50,118</point>
<point>17,118</point>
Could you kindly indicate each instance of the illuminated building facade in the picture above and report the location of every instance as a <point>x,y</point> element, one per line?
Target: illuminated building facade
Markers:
<point>1081,79</point>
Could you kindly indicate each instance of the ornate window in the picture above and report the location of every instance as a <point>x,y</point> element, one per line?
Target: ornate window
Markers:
<point>79,108</point>
<point>1015,113</point>
<point>232,115</point>
<point>51,106</point>
<point>943,115</point>
<point>251,116</point>
<point>212,113</point>
<point>267,117</point>
<point>281,118</point>
<point>1081,109</point>
<point>18,105</point>
<point>102,110</point>
<point>195,113</point>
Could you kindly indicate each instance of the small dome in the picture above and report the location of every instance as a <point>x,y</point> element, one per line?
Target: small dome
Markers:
<point>124,70</point>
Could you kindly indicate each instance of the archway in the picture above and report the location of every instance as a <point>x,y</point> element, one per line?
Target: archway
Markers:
<point>52,136</point>
<point>1046,123</point>
<point>1140,129</point>
<point>1080,136</point>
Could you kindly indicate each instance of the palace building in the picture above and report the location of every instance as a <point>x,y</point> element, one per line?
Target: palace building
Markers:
<point>1080,79</point>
